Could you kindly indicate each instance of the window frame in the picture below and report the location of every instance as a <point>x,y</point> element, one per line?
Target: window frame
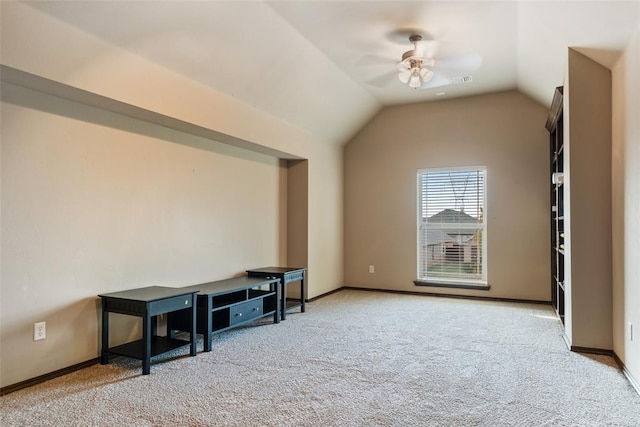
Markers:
<point>457,282</point>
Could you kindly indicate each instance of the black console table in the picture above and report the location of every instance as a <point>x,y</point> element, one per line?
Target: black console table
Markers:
<point>225,304</point>
<point>286,275</point>
<point>148,303</point>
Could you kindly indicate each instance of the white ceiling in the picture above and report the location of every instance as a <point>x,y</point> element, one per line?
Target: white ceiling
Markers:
<point>319,64</point>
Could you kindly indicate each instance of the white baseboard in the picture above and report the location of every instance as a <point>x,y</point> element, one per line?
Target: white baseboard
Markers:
<point>635,384</point>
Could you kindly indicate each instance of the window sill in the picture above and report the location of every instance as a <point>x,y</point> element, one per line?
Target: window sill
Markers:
<point>453,285</point>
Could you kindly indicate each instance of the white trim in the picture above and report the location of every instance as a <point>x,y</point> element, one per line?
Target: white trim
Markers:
<point>461,282</point>
<point>635,384</point>
<point>483,281</point>
<point>452,169</point>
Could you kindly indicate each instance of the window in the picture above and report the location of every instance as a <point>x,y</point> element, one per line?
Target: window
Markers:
<point>452,234</point>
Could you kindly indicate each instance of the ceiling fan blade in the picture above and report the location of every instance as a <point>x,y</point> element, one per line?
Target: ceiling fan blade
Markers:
<point>437,80</point>
<point>403,66</point>
<point>427,48</point>
<point>404,75</point>
<point>383,80</point>
<point>470,62</point>
<point>369,59</point>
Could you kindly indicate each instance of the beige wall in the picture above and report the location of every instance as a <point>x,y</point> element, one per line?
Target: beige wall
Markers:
<point>587,191</point>
<point>505,132</point>
<point>89,208</point>
<point>94,201</point>
<point>626,205</point>
<point>326,213</point>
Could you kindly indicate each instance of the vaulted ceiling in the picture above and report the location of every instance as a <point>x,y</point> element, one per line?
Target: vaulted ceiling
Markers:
<point>328,66</point>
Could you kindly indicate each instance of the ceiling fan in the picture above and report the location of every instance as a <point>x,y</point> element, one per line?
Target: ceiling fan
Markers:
<point>420,68</point>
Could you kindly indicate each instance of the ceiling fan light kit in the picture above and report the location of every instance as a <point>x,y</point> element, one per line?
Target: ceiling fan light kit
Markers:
<point>414,66</point>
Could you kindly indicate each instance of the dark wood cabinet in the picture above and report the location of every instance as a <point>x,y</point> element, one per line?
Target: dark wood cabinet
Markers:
<point>225,304</point>
<point>557,153</point>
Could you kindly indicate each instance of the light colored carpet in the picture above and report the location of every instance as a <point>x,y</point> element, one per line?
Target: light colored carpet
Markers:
<point>356,358</point>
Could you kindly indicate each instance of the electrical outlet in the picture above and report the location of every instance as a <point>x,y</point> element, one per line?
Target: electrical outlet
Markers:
<point>372,269</point>
<point>39,331</point>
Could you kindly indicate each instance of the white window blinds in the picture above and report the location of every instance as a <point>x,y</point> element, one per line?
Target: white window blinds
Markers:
<point>452,237</point>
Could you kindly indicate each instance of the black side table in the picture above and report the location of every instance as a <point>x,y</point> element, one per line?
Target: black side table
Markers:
<point>286,275</point>
<point>147,303</point>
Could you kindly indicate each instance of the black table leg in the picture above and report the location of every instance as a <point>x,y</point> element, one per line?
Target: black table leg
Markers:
<point>284,298</point>
<point>208,328</point>
<point>276,316</point>
<point>104,354</point>
<point>302,294</point>
<point>207,341</point>
<point>193,325</point>
<point>146,343</point>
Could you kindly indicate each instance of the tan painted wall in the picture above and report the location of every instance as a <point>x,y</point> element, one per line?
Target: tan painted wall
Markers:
<point>626,204</point>
<point>58,273</point>
<point>503,131</point>
<point>588,279</point>
<point>297,218</point>
<point>89,208</point>
<point>326,213</point>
